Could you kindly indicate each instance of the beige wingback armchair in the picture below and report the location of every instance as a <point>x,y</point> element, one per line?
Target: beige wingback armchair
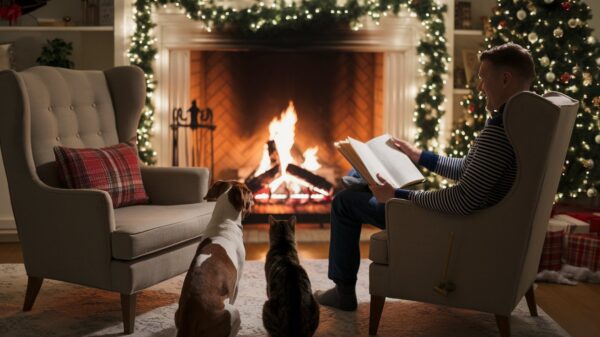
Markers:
<point>495,251</point>
<point>76,235</point>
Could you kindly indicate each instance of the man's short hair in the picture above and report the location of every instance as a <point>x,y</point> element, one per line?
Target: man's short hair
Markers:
<point>513,56</point>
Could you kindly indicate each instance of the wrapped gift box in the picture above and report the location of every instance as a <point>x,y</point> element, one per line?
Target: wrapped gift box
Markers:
<point>551,258</point>
<point>592,218</point>
<point>569,223</point>
<point>583,250</point>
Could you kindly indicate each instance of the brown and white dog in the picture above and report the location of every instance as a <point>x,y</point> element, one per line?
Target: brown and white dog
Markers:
<point>216,269</point>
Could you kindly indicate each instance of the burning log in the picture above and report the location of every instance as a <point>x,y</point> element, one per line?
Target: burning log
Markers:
<point>319,183</point>
<point>265,178</point>
<point>273,153</point>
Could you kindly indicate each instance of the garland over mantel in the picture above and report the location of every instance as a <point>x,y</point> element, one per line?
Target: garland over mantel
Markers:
<point>264,19</point>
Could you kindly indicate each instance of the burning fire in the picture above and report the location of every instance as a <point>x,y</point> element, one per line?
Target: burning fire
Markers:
<point>282,131</point>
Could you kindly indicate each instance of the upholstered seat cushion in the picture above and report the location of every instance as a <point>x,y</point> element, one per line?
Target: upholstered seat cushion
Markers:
<point>378,251</point>
<point>145,229</point>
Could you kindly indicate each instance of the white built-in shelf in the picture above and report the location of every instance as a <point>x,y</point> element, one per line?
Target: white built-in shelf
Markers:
<point>56,29</point>
<point>468,32</point>
<point>461,91</point>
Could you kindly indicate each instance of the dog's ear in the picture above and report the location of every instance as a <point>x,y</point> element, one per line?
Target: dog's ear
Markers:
<point>215,191</point>
<point>236,197</point>
<point>241,198</point>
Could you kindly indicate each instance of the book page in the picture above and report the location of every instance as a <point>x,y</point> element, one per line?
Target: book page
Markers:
<point>372,163</point>
<point>349,153</point>
<point>395,161</point>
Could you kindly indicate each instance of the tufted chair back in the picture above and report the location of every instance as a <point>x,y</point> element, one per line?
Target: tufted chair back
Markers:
<point>75,235</point>
<point>77,109</point>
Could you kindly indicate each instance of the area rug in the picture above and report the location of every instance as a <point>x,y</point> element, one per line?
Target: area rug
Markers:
<point>63,309</point>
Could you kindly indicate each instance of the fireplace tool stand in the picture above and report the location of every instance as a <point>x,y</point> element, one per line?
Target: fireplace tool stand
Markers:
<point>198,120</point>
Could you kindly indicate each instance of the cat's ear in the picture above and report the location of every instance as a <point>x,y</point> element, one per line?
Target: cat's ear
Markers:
<point>271,219</point>
<point>292,222</point>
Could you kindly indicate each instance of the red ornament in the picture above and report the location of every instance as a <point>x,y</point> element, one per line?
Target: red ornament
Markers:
<point>566,5</point>
<point>503,23</point>
<point>10,13</point>
<point>471,108</point>
<point>565,77</point>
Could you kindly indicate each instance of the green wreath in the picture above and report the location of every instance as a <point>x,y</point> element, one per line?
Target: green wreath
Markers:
<point>282,18</point>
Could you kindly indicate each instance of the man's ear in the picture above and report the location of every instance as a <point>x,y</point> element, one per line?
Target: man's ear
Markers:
<point>507,78</point>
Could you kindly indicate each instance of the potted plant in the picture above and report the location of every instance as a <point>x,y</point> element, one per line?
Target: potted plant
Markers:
<point>55,53</point>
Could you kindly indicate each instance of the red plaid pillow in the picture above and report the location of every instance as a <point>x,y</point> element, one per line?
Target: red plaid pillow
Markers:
<point>114,169</point>
<point>552,251</point>
<point>583,250</point>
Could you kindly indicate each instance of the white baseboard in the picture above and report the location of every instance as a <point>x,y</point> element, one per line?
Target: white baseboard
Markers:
<point>8,235</point>
<point>8,230</point>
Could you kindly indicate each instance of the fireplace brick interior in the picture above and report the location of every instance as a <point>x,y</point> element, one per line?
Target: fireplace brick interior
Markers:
<point>336,94</point>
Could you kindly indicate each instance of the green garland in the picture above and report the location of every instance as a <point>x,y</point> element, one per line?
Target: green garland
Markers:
<point>281,18</point>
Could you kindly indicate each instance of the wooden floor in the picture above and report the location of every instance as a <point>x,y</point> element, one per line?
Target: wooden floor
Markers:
<point>575,308</point>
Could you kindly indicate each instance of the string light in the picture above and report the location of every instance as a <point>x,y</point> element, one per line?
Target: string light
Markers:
<point>260,19</point>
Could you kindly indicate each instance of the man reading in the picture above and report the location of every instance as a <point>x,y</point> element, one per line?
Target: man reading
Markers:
<point>483,177</point>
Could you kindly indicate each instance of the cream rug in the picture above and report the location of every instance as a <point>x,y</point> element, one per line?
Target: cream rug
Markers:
<point>63,309</point>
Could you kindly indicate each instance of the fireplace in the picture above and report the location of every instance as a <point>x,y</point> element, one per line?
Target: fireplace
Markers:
<point>358,84</point>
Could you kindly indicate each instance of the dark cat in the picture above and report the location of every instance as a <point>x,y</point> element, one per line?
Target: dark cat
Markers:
<point>291,310</point>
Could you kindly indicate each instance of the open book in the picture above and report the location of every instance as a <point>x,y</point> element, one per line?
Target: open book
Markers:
<point>379,155</point>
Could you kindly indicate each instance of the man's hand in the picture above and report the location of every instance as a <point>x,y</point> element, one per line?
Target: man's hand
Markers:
<point>384,191</point>
<point>410,150</point>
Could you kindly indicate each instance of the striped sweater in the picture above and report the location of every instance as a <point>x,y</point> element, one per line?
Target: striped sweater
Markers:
<point>482,178</point>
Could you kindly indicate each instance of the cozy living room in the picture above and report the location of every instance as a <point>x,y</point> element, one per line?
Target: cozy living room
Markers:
<point>299,168</point>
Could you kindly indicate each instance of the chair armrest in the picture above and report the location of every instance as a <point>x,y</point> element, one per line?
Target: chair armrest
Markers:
<point>175,185</point>
<point>65,234</point>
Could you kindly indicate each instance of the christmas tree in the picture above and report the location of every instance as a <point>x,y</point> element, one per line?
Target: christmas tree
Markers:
<point>567,60</point>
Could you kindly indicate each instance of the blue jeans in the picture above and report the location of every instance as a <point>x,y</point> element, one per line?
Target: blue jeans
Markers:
<point>350,208</point>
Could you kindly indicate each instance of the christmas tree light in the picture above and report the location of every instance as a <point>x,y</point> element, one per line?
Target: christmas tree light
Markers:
<point>567,59</point>
<point>276,19</point>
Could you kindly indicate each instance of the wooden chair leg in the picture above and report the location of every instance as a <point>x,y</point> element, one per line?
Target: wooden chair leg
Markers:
<point>530,297</point>
<point>377,303</point>
<point>33,288</point>
<point>503,323</point>
<point>128,309</point>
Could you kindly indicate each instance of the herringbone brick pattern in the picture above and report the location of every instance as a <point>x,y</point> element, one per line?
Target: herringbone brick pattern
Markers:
<point>355,110</point>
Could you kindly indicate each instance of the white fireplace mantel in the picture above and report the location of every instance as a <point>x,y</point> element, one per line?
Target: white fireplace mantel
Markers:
<point>396,37</point>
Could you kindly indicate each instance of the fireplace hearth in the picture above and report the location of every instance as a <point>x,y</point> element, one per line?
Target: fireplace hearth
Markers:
<point>358,84</point>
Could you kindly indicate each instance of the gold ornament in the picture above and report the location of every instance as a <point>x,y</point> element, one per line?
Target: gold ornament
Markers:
<point>597,139</point>
<point>596,101</point>
<point>532,37</point>
<point>550,76</point>
<point>544,61</point>
<point>573,22</point>
<point>592,192</point>
<point>558,33</point>
<point>521,14</point>
<point>587,79</point>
